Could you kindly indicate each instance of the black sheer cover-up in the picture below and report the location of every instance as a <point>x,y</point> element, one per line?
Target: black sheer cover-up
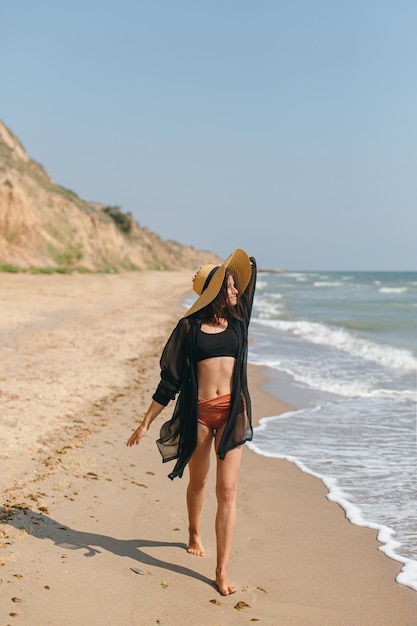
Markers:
<point>178,436</point>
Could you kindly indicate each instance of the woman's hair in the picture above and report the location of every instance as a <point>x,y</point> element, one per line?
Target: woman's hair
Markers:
<point>220,307</point>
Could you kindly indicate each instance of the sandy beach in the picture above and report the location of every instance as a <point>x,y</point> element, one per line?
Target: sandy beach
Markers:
<point>79,510</point>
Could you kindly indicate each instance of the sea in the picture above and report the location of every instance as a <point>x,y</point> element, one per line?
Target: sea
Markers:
<point>341,348</point>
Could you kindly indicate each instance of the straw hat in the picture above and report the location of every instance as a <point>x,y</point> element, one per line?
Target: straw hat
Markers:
<point>209,279</point>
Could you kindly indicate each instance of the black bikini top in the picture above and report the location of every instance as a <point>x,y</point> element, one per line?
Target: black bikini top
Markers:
<point>210,345</point>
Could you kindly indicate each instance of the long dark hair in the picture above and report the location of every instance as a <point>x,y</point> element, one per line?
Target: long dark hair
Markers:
<point>220,307</point>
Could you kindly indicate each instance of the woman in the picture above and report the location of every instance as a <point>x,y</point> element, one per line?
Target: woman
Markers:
<point>204,362</point>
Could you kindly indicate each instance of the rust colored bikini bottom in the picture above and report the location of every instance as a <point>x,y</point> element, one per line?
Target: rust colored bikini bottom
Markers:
<point>214,413</point>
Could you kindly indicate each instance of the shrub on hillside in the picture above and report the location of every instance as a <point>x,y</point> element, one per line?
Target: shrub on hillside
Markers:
<point>122,220</point>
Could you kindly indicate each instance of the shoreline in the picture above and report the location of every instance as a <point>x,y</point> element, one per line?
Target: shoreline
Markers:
<point>296,558</point>
<point>385,535</point>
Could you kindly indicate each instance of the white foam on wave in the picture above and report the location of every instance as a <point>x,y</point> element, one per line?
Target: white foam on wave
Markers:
<point>393,290</point>
<point>324,283</point>
<point>265,309</point>
<point>269,302</point>
<point>297,275</point>
<point>300,277</point>
<point>315,332</point>
<point>403,394</point>
<point>314,379</point>
<point>408,574</point>
<point>317,379</point>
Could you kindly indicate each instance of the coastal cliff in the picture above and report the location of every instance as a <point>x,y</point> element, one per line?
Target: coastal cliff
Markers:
<point>47,227</point>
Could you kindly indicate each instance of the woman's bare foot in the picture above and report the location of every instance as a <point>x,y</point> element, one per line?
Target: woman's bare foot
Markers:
<point>224,586</point>
<point>195,545</point>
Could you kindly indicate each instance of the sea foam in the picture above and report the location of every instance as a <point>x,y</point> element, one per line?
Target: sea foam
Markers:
<point>342,339</point>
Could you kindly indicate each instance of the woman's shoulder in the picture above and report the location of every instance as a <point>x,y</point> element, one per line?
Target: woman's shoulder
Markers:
<point>187,322</point>
<point>179,335</point>
<point>184,325</point>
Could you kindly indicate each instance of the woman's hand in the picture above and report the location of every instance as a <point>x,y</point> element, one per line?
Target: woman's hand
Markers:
<point>195,275</point>
<point>154,410</point>
<point>135,438</point>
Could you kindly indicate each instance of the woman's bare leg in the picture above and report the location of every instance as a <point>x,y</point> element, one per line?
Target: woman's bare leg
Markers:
<point>199,466</point>
<point>226,492</point>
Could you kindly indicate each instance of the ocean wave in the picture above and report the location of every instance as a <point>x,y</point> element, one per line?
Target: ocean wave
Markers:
<point>326,381</point>
<point>268,298</point>
<point>299,276</point>
<point>323,283</point>
<point>317,333</point>
<point>266,310</point>
<point>393,290</point>
<point>330,384</point>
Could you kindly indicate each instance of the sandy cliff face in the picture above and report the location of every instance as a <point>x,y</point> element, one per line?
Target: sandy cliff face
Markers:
<point>43,225</point>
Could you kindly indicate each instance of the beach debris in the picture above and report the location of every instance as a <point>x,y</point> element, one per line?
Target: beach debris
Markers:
<point>91,475</point>
<point>164,585</point>
<point>137,570</point>
<point>17,599</point>
<point>36,496</point>
<point>217,602</point>
<point>19,576</point>
<point>151,473</point>
<point>139,484</point>
<point>241,605</point>
<point>47,587</point>
<point>13,614</point>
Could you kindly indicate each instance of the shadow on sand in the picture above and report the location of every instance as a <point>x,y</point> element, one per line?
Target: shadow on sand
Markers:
<point>44,527</point>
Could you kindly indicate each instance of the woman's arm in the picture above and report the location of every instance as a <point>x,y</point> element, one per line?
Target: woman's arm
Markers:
<point>172,362</point>
<point>152,413</point>
<point>246,299</point>
<point>172,367</point>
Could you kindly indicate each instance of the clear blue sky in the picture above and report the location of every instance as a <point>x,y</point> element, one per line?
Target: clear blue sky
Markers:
<point>284,127</point>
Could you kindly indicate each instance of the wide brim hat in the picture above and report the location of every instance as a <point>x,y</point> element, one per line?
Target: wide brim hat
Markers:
<point>209,279</point>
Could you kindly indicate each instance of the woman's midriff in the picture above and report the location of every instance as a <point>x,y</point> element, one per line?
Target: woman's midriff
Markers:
<point>215,376</point>
<point>214,413</point>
